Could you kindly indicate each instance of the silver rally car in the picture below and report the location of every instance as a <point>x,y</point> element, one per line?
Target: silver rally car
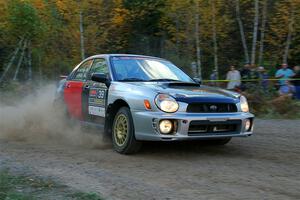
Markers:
<point>140,98</point>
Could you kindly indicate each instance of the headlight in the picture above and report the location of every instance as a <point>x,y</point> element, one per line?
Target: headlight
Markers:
<point>244,104</point>
<point>166,103</point>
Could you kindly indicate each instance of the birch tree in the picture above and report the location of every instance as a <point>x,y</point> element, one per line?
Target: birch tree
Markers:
<point>10,63</point>
<point>29,60</point>
<point>198,50</point>
<point>20,60</point>
<point>242,32</point>
<point>289,36</point>
<point>82,50</point>
<point>23,21</point>
<point>255,29</point>
<point>214,33</point>
<point>262,32</point>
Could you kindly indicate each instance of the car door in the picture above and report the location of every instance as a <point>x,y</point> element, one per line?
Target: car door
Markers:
<point>73,90</point>
<point>95,94</point>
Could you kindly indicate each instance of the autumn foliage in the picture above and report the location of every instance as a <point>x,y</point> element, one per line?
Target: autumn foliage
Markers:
<point>51,35</point>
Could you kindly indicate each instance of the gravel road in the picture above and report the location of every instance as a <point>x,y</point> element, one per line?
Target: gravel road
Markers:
<point>264,166</point>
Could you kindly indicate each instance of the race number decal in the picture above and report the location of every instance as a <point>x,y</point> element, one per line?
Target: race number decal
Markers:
<point>97,100</point>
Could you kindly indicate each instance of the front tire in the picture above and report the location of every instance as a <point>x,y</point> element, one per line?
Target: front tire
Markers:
<point>123,137</point>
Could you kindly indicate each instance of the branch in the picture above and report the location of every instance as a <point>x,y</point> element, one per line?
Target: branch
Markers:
<point>12,59</point>
<point>20,60</point>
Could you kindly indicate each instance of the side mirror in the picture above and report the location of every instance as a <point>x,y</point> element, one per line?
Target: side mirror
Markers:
<point>197,80</point>
<point>63,76</point>
<point>99,77</point>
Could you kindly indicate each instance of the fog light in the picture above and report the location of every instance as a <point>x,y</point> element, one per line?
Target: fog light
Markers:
<point>247,125</point>
<point>165,126</point>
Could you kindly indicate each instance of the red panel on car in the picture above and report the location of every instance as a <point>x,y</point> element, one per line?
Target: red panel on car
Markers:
<point>73,98</point>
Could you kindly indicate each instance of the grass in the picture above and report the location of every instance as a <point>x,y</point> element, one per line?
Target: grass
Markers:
<point>10,187</point>
<point>16,187</point>
<point>85,196</point>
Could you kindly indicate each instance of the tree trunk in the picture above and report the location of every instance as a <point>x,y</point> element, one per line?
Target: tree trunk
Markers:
<point>198,50</point>
<point>162,44</point>
<point>289,37</point>
<point>262,32</point>
<point>40,69</point>
<point>11,60</point>
<point>81,36</point>
<point>188,41</point>
<point>255,29</point>
<point>215,37</point>
<point>20,61</point>
<point>241,27</point>
<point>29,61</point>
<point>177,32</point>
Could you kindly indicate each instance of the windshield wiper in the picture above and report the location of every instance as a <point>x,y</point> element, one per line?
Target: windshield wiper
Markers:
<point>132,80</point>
<point>163,79</point>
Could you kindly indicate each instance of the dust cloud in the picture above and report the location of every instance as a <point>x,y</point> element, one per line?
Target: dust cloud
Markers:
<point>34,119</point>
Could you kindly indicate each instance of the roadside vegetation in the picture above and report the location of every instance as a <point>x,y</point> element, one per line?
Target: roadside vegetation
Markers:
<point>271,106</point>
<point>19,187</point>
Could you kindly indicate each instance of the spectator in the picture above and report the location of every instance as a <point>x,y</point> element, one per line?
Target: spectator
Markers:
<point>297,82</point>
<point>253,74</point>
<point>249,76</point>
<point>234,78</point>
<point>213,78</point>
<point>263,76</point>
<point>245,72</point>
<point>287,89</point>
<point>244,76</point>
<point>283,74</point>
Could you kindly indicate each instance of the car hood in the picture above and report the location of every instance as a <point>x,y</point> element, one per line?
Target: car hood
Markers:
<point>191,93</point>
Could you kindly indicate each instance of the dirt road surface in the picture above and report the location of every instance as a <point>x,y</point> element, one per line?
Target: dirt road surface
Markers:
<point>264,166</point>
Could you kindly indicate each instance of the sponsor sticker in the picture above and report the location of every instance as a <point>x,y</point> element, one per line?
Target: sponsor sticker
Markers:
<point>99,111</point>
<point>100,94</point>
<point>93,92</point>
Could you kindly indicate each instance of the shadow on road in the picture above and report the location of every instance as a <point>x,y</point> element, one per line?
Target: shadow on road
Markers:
<point>185,148</point>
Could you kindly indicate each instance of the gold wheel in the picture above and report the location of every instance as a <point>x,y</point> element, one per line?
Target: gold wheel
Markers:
<point>121,129</point>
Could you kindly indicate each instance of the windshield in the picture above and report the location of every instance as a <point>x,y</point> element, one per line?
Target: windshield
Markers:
<point>146,69</point>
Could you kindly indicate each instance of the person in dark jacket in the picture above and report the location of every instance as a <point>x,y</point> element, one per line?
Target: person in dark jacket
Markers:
<point>263,76</point>
<point>249,76</point>
<point>297,82</point>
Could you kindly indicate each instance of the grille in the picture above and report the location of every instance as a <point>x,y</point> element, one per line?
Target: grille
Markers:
<point>211,108</point>
<point>215,128</point>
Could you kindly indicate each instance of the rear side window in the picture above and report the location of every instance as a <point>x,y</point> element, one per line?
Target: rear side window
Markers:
<point>99,66</point>
<point>81,72</point>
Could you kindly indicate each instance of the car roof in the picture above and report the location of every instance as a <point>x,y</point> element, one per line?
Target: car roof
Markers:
<point>125,55</point>
<point>112,55</point>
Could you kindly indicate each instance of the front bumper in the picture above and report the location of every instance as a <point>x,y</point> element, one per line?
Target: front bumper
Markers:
<point>146,122</point>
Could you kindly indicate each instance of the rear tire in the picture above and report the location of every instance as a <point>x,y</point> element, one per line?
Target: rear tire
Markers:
<point>123,137</point>
<point>220,142</point>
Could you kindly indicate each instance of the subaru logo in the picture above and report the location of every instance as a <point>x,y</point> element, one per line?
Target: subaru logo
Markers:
<point>213,108</point>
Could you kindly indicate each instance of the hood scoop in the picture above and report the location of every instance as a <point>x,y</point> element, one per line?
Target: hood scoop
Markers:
<point>182,84</point>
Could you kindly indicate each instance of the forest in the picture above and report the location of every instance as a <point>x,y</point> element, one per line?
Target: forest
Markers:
<point>42,39</point>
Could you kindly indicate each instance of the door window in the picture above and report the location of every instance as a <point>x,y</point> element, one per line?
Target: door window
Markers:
<point>81,72</point>
<point>99,66</point>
